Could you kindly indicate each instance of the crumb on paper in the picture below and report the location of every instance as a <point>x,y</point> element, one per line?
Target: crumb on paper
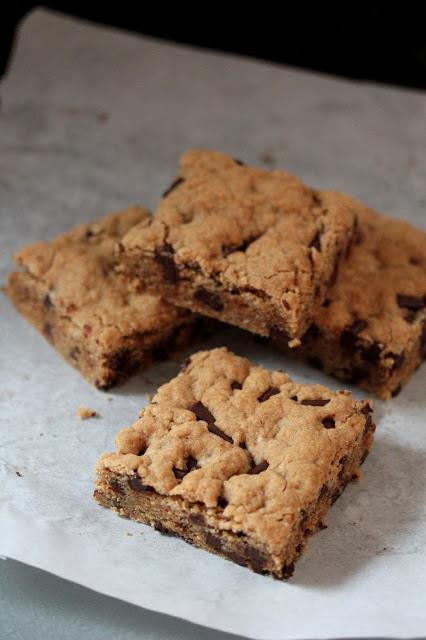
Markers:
<point>84,413</point>
<point>129,535</point>
<point>18,474</point>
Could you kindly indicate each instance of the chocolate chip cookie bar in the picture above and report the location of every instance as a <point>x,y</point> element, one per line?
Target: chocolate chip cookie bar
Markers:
<point>69,289</point>
<point>257,249</point>
<point>371,329</point>
<point>237,460</point>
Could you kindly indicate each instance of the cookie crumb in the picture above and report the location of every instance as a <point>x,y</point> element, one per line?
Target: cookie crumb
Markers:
<point>18,474</point>
<point>84,413</point>
<point>128,535</point>
<point>294,343</point>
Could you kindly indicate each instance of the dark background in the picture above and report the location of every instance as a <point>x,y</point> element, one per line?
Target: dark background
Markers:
<point>381,41</point>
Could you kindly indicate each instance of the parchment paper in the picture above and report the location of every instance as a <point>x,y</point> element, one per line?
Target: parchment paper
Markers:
<point>93,119</point>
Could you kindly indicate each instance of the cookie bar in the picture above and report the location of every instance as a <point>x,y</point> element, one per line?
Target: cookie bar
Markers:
<point>371,329</point>
<point>70,291</point>
<point>257,249</point>
<point>237,460</point>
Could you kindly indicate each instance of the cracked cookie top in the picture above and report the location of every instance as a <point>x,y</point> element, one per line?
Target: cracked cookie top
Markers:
<point>250,230</point>
<point>76,274</point>
<point>378,304</point>
<point>250,445</point>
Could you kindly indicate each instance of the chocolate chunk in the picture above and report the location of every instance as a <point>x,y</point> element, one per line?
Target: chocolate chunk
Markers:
<point>329,422</point>
<point>398,360</point>
<point>47,302</point>
<point>116,487</point>
<point>258,468</point>
<point>316,241</point>
<point>179,473</point>
<point>174,184</point>
<point>236,385</point>
<point>222,502</point>
<point>213,541</point>
<point>236,557</point>
<point>287,570</point>
<point>209,298</point>
<point>368,424</point>
<point>201,412</point>
<point>279,335</point>
<point>242,445</point>
<point>142,451</point>
<point>410,316</point>
<point>120,360</point>
<point>367,408</point>
<point>185,364</point>
<point>256,559</point>
<point>272,391</point>
<point>164,256</point>
<point>315,402</point>
<point>348,338</point>
<point>213,428</point>
<point>191,464</point>
<point>136,484</point>
<point>327,302</point>
<point>197,518</point>
<point>372,352</point>
<point>294,398</point>
<point>313,361</point>
<point>413,303</point>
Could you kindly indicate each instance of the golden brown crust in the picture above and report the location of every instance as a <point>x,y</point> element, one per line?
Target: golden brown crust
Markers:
<point>253,448</point>
<point>70,290</point>
<point>372,328</point>
<point>239,231</point>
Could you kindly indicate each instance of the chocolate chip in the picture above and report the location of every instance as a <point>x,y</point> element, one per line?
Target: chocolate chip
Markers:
<point>329,422</point>
<point>179,473</point>
<point>327,302</point>
<point>213,428</point>
<point>349,335</point>
<point>313,361</point>
<point>279,335</point>
<point>272,391</point>
<point>47,302</point>
<point>222,502</point>
<point>201,412</point>
<point>197,518</point>
<point>396,391</point>
<point>213,541</point>
<point>120,360</point>
<point>368,424</point>
<point>89,233</point>
<point>116,487</point>
<point>367,408</point>
<point>174,184</point>
<point>164,256</point>
<point>158,526</point>
<point>372,352</point>
<point>316,241</point>
<point>136,484</point>
<point>209,298</point>
<point>398,360</point>
<point>48,330</point>
<point>185,364</point>
<point>242,445</point>
<point>414,303</point>
<point>191,464</point>
<point>236,557</point>
<point>315,402</point>
<point>258,468</point>
<point>287,570</point>
<point>236,385</point>
<point>294,398</point>
<point>141,452</point>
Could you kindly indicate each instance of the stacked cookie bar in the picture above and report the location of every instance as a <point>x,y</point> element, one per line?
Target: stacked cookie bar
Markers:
<point>231,457</point>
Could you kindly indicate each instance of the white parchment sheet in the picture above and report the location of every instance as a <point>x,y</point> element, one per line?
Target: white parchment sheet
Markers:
<point>91,120</point>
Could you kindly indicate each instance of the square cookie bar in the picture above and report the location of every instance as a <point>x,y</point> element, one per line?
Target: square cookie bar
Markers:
<point>371,329</point>
<point>257,249</point>
<point>70,291</point>
<point>237,460</point>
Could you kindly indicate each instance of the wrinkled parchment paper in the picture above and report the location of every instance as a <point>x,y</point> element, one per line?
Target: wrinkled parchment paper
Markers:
<point>92,120</point>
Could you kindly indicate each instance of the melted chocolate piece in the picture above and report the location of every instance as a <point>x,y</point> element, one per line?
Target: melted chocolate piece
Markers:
<point>212,300</point>
<point>164,256</point>
<point>413,303</point>
<point>202,413</point>
<point>315,402</point>
<point>329,422</point>
<point>136,484</point>
<point>258,468</point>
<point>272,391</point>
<point>173,186</point>
<point>236,385</point>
